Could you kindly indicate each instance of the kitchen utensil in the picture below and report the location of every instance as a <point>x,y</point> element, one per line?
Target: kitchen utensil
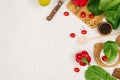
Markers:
<point>84,40</point>
<point>54,11</point>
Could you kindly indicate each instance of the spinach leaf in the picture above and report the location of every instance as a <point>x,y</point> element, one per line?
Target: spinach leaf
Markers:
<point>102,4</point>
<point>113,5</point>
<point>93,6</point>
<point>112,13</point>
<point>97,73</point>
<point>110,50</point>
<point>113,17</point>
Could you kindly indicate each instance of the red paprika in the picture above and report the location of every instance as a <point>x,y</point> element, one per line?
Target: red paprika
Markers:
<point>83,58</point>
<point>80,3</point>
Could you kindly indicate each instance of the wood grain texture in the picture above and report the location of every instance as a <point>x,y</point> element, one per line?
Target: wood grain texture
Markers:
<point>97,50</point>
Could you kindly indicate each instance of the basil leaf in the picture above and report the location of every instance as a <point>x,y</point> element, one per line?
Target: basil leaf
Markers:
<point>93,6</point>
<point>110,50</point>
<point>97,73</point>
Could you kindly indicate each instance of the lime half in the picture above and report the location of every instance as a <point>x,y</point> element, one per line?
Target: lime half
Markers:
<point>44,2</point>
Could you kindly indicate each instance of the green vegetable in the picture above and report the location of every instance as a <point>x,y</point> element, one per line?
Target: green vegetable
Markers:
<point>112,13</point>
<point>97,73</point>
<point>110,50</point>
<point>113,17</point>
<point>93,6</point>
<point>102,4</point>
<point>110,8</point>
<point>113,5</point>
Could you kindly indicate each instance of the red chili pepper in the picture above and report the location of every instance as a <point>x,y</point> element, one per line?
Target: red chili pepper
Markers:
<point>83,58</point>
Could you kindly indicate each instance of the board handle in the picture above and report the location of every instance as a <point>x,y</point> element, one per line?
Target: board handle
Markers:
<point>54,10</point>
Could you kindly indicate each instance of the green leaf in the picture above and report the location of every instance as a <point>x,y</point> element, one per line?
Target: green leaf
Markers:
<point>102,4</point>
<point>113,17</point>
<point>112,13</point>
<point>113,5</point>
<point>97,73</point>
<point>110,50</point>
<point>93,6</point>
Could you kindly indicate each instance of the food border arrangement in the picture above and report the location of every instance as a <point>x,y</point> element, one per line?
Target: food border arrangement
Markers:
<point>105,16</point>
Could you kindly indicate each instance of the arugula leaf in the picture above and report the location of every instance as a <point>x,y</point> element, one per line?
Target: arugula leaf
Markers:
<point>102,4</point>
<point>110,50</point>
<point>93,6</point>
<point>97,73</point>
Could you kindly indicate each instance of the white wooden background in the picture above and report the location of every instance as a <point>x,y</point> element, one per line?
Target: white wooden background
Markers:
<point>31,48</point>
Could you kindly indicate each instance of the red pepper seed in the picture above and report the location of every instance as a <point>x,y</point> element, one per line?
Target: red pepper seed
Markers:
<point>76,69</point>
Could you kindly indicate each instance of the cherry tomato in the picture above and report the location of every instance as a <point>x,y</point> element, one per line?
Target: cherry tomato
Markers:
<point>82,14</point>
<point>66,13</point>
<point>76,69</point>
<point>91,16</point>
<point>84,32</point>
<point>72,35</point>
<point>104,58</point>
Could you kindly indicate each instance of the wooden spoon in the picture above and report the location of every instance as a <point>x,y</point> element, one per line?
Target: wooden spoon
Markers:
<point>84,40</point>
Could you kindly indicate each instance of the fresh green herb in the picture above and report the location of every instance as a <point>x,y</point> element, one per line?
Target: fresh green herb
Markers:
<point>110,50</point>
<point>97,73</point>
<point>93,6</point>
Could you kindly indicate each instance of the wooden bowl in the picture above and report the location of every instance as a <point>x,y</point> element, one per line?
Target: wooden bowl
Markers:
<point>104,28</point>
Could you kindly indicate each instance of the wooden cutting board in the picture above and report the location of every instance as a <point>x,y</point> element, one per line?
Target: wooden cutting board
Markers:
<point>92,23</point>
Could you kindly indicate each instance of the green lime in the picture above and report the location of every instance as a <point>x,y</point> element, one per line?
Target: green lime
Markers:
<point>44,2</point>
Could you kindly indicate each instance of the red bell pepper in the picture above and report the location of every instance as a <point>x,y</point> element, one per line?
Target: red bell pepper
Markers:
<point>83,58</point>
<point>80,3</point>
